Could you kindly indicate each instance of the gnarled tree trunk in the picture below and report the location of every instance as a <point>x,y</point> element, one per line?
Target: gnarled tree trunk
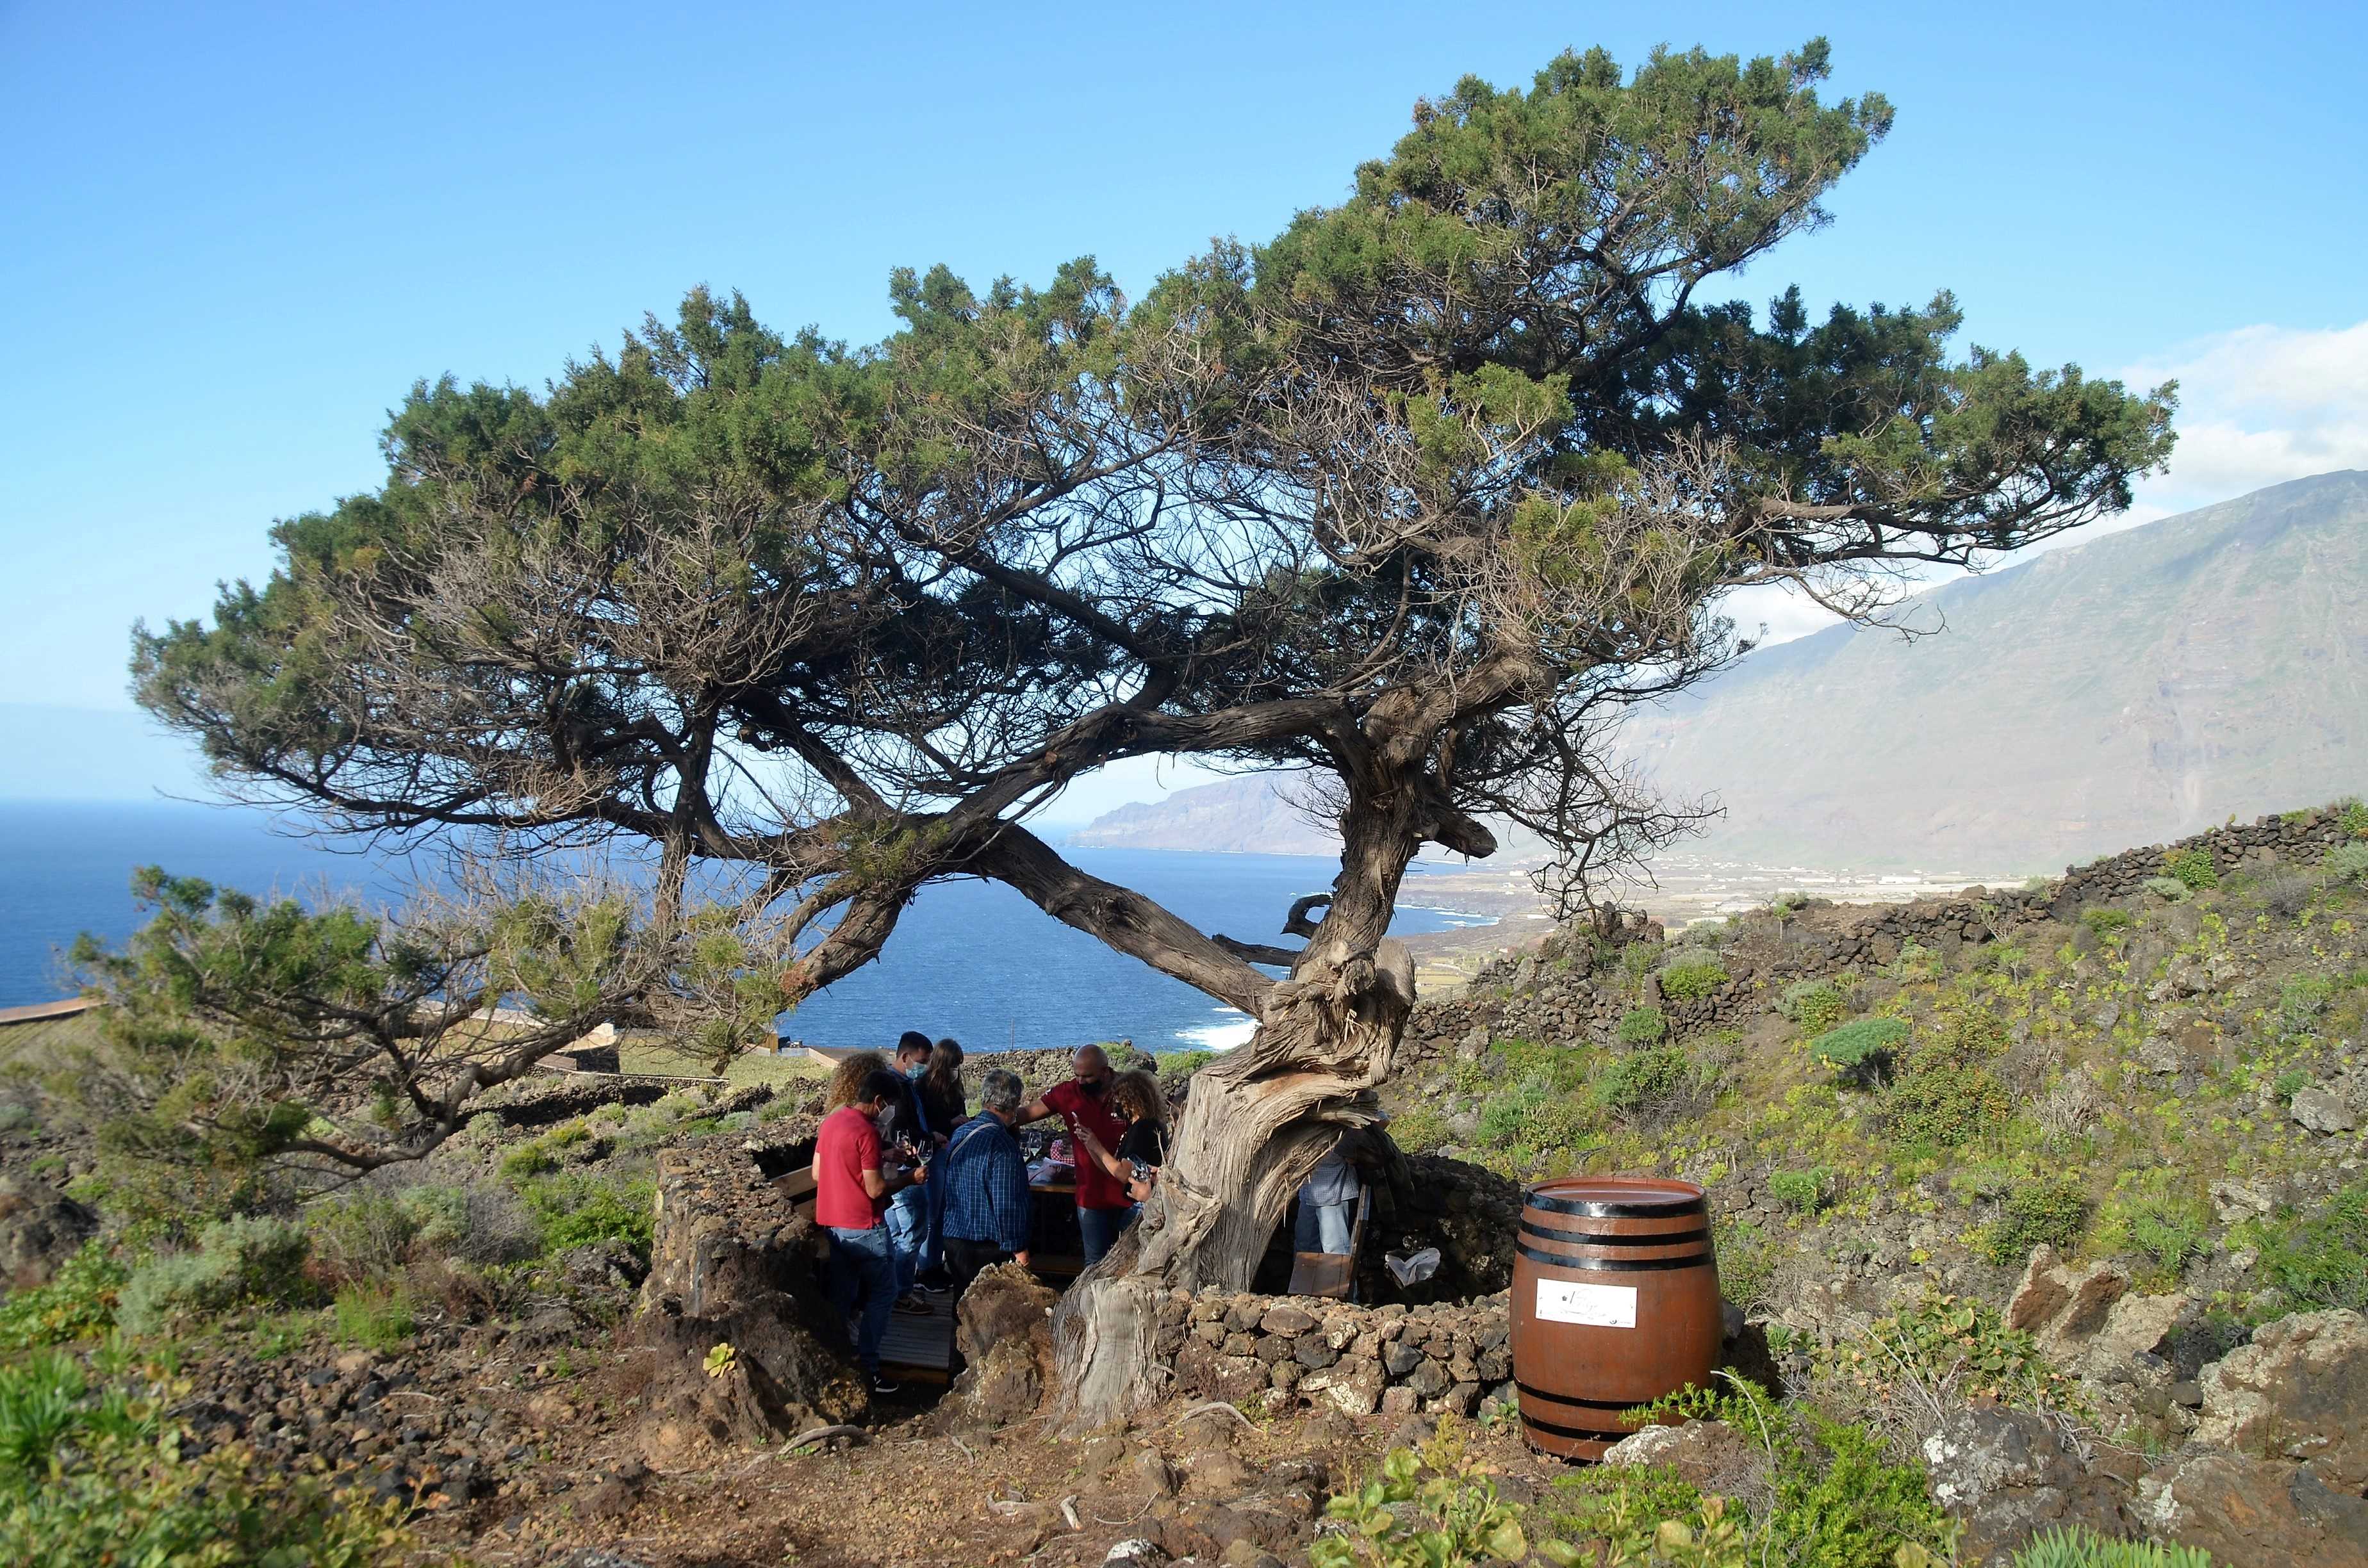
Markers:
<point>1258,1121</point>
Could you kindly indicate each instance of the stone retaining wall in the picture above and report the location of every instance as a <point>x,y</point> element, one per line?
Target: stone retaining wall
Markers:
<point>1393,1358</point>
<point>1549,992</point>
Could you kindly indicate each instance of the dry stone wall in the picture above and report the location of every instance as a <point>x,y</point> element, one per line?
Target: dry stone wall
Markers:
<point>1359,1359</point>
<point>1549,992</point>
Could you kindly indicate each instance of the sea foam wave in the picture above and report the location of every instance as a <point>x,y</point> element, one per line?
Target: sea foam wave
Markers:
<point>1233,1028</point>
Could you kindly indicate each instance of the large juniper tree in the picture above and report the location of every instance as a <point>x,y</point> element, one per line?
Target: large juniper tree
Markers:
<point>1415,497</point>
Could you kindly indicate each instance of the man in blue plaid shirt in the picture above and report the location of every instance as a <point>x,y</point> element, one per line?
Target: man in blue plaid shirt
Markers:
<point>988,1206</point>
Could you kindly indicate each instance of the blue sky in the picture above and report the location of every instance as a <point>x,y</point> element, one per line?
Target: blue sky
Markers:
<point>236,234</point>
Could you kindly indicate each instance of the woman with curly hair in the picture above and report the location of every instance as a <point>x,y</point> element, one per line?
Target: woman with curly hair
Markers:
<point>845,1084</point>
<point>1135,1101</point>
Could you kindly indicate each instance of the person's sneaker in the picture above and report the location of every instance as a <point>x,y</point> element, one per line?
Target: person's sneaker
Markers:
<point>914,1304</point>
<point>883,1387</point>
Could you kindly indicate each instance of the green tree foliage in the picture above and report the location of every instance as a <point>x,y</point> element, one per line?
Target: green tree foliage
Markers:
<point>243,1033</point>
<point>1415,496</point>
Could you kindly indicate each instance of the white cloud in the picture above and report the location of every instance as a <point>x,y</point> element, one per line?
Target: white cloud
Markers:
<point>2259,406</point>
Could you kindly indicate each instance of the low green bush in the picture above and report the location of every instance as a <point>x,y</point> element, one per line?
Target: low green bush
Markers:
<point>373,1317</point>
<point>2081,1547</point>
<point>1803,1192</point>
<point>97,1476</point>
<point>246,1258</point>
<point>2352,816</point>
<point>580,1210</point>
<point>2156,1215</point>
<point>1862,1052</point>
<point>1691,978</point>
<point>2104,920</point>
<point>1653,1086</point>
<point>1431,1507</point>
<point>2192,867</point>
<point>2171,889</point>
<point>1838,1499</point>
<point>2347,863</point>
<point>1815,1004</point>
<point>2050,1211</point>
<point>1944,1095</point>
<point>1642,1025</point>
<point>78,1304</point>
<point>2301,999</point>
<point>2320,1260</point>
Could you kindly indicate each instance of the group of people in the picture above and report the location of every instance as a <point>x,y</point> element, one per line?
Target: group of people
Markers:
<point>918,1194</point>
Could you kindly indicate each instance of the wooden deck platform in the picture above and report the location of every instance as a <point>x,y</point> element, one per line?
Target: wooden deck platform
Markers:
<point>920,1350</point>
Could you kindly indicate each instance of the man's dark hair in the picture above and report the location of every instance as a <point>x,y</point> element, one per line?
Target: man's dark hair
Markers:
<point>882,1086</point>
<point>912,1040</point>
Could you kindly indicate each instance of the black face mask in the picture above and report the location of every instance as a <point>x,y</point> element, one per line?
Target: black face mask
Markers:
<point>1097,1088</point>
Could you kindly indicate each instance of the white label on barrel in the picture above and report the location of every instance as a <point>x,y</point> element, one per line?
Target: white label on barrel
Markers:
<point>1599,1306</point>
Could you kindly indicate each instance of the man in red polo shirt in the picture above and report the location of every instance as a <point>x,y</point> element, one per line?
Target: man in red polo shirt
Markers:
<point>851,1192</point>
<point>1103,1208</point>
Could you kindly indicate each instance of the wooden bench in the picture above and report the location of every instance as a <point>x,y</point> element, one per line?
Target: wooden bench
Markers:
<point>1333,1274</point>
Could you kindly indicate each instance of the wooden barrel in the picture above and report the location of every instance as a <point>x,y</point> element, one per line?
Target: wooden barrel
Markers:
<point>1615,1303</point>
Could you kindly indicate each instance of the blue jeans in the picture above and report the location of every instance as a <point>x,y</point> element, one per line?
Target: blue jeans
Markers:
<point>864,1263</point>
<point>1101,1228</point>
<point>908,1232</point>
<point>1323,1227</point>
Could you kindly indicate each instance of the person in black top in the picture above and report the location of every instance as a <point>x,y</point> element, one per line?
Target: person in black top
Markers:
<point>943,1100</point>
<point>1135,1101</point>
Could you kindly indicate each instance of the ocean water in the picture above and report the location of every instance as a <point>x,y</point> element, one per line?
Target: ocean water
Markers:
<point>970,959</point>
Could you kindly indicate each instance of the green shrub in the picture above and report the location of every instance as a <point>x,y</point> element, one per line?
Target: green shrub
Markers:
<point>2050,1211</point>
<point>2081,1547</point>
<point>1431,1507</point>
<point>1691,979</point>
<point>1945,1346</point>
<point>1642,1026</point>
<point>1862,1052</point>
<point>78,1304</point>
<point>567,1135</point>
<point>362,1234</point>
<point>1915,962</point>
<point>1944,1095</point>
<point>610,1115</point>
<point>1803,1192</point>
<point>1419,1130</point>
<point>2321,1261</point>
<point>2105,919</point>
<point>2353,817</point>
<point>373,1317</point>
<point>580,1210</point>
<point>2289,1083</point>
<point>2192,867</point>
<point>1838,1500</point>
<point>1653,1086</point>
<point>2301,999</point>
<point>98,1477</point>
<point>529,1160</point>
<point>1815,1004</point>
<point>2347,863</point>
<point>1748,1257</point>
<point>2171,889</point>
<point>1184,1064</point>
<point>246,1258</point>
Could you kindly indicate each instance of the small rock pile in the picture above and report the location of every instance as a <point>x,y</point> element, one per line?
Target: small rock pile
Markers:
<point>1358,1360</point>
